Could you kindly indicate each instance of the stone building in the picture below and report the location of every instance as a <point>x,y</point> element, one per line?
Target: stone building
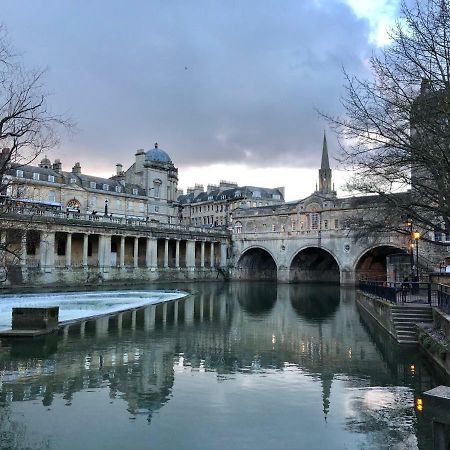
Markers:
<point>147,190</point>
<point>215,206</point>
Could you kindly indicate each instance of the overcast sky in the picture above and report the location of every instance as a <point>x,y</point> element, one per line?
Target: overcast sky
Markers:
<point>228,88</point>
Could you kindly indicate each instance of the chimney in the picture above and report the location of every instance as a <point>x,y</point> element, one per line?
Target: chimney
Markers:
<point>140,158</point>
<point>57,166</point>
<point>211,187</point>
<point>198,189</point>
<point>76,168</point>
<point>119,169</point>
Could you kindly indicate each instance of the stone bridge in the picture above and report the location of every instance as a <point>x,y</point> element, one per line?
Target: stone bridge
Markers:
<point>313,255</point>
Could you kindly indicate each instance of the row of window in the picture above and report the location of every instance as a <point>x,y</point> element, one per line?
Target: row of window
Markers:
<point>312,224</point>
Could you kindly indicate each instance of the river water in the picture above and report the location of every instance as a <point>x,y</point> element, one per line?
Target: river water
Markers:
<point>234,366</point>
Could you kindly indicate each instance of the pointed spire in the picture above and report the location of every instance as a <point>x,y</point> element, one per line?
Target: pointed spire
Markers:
<point>325,161</point>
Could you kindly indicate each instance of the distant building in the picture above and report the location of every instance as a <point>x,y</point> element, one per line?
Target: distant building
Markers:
<point>215,206</point>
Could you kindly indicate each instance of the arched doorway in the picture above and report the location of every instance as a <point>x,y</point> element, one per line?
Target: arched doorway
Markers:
<point>373,264</point>
<point>314,265</point>
<point>257,264</point>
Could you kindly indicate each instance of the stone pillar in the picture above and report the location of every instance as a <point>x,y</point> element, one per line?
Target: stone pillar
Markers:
<point>211,308</point>
<point>202,254</point>
<point>101,251</point>
<point>212,256</point>
<point>151,254</point>
<point>136,252</point>
<point>190,254</point>
<point>347,277</point>
<point>119,323</point>
<point>223,254</point>
<point>133,320</point>
<point>189,311</point>
<point>47,251</point>
<point>107,253</point>
<point>82,329</point>
<point>149,318</point>
<point>177,253</point>
<point>166,253</point>
<point>202,306</point>
<point>85,249</point>
<point>23,249</point>
<point>69,250</point>
<point>122,252</point>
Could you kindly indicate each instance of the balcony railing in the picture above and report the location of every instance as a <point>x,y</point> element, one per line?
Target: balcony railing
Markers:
<point>7,211</point>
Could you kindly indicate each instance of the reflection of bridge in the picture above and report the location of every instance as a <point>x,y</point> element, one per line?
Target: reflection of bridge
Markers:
<point>226,328</point>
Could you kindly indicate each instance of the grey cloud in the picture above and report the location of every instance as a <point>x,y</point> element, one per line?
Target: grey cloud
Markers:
<point>212,81</point>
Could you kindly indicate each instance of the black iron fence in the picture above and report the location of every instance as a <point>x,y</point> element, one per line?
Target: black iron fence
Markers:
<point>409,292</point>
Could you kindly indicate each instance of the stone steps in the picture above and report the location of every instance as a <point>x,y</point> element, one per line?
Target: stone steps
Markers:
<point>406,317</point>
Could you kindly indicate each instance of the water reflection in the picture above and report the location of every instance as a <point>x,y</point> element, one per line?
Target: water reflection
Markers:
<point>314,302</point>
<point>275,340</point>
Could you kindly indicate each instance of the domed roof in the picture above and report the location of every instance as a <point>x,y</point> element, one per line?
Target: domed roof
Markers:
<point>45,162</point>
<point>157,155</point>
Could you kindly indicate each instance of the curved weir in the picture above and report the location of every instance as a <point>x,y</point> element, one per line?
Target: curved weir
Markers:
<point>80,305</point>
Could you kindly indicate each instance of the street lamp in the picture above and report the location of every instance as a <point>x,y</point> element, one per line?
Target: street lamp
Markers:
<point>106,207</point>
<point>409,224</point>
<point>416,236</point>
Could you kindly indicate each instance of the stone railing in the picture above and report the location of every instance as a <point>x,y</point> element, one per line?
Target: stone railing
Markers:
<point>11,212</point>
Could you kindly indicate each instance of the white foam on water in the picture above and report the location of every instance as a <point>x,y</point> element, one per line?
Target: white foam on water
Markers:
<point>77,305</point>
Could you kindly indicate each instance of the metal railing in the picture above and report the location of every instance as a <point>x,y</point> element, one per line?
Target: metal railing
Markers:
<point>405,292</point>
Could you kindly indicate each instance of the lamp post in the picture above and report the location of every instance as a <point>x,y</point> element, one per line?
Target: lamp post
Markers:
<point>106,207</point>
<point>409,223</point>
<point>416,236</point>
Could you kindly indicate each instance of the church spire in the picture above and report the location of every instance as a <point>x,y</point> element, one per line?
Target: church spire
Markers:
<point>325,183</point>
<point>325,161</point>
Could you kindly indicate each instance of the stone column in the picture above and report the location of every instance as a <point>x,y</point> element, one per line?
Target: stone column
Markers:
<point>202,254</point>
<point>212,261</point>
<point>202,306</point>
<point>107,253</point>
<point>189,311</point>
<point>101,251</point>
<point>166,253</point>
<point>149,317</point>
<point>175,312</point>
<point>69,250</point>
<point>85,249</point>
<point>122,252</point>
<point>177,253</point>
<point>23,249</point>
<point>133,320</point>
<point>151,254</point>
<point>223,254</point>
<point>190,254</point>
<point>47,251</point>
<point>164,313</point>
<point>136,252</point>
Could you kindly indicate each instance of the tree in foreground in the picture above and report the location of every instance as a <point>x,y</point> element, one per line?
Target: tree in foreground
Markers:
<point>395,132</point>
<point>27,129</point>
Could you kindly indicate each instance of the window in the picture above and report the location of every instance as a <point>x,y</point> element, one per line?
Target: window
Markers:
<point>73,180</point>
<point>293,226</point>
<point>119,204</point>
<point>118,189</point>
<point>325,224</point>
<point>256,194</point>
<point>51,178</point>
<point>336,223</point>
<point>19,173</point>
<point>92,184</point>
<point>237,194</point>
<point>283,228</point>
<point>141,207</point>
<point>93,201</point>
<point>52,196</point>
<point>273,227</point>
<point>238,228</point>
<point>210,197</point>
<point>105,187</point>
<point>314,218</point>
<point>130,206</point>
<point>35,176</point>
<point>156,188</point>
<point>135,191</point>
<point>156,209</point>
<point>276,196</point>
<point>438,236</point>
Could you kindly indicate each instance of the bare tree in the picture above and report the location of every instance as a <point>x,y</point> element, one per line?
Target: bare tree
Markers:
<point>395,132</point>
<point>27,128</point>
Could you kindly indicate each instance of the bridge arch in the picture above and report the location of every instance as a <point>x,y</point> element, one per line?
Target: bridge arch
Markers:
<point>371,263</point>
<point>314,264</point>
<point>257,263</point>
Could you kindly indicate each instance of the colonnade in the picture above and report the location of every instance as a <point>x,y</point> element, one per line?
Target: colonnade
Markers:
<point>50,249</point>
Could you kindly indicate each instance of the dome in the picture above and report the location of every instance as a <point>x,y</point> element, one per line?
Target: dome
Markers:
<point>45,163</point>
<point>157,155</point>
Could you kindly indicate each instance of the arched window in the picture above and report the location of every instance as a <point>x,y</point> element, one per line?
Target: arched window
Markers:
<point>238,228</point>
<point>157,188</point>
<point>73,204</point>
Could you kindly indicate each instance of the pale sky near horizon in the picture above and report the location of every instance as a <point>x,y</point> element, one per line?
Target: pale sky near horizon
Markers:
<point>229,89</point>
